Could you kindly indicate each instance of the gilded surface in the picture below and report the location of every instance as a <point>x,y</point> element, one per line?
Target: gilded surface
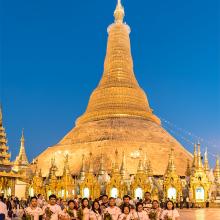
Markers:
<point>118,115</point>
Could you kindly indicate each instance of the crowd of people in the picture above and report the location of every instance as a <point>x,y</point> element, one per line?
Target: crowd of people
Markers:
<point>103,208</point>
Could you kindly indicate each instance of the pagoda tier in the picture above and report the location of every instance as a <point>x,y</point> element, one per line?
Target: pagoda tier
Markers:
<point>5,164</point>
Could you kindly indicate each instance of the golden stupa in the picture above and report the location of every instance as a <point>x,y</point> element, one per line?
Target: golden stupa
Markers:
<point>118,116</point>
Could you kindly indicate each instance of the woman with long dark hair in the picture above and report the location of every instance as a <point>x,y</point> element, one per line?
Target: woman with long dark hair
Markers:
<point>155,212</point>
<point>126,215</point>
<point>84,211</point>
<point>70,213</point>
<point>96,213</point>
<point>170,213</point>
<point>140,214</point>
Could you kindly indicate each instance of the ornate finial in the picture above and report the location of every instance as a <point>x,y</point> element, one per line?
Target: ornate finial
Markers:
<point>195,151</point>
<point>140,164</point>
<point>115,164</point>
<point>83,163</point>
<point>21,160</point>
<point>206,161</point>
<point>199,159</point>
<point>66,170</point>
<point>147,165</point>
<point>123,165</point>
<point>83,169</point>
<point>66,157</point>
<point>188,170</point>
<point>217,168</point>
<point>22,135</point>
<point>90,163</point>
<point>101,168</point>
<point>171,165</point>
<point>119,13</point>
<point>53,160</point>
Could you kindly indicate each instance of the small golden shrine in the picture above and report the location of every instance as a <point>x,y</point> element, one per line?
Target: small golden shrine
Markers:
<point>199,182</point>
<point>172,184</point>
<point>117,186</point>
<point>89,186</point>
<point>37,184</point>
<point>67,184</point>
<point>52,180</point>
<point>140,183</point>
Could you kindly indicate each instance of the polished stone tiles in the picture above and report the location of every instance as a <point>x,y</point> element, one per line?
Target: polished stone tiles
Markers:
<point>200,214</point>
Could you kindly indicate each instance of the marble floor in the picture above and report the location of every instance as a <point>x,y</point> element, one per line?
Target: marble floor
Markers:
<point>200,214</point>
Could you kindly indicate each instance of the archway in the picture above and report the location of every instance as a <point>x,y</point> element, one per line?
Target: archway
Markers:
<point>9,191</point>
<point>114,192</point>
<point>86,192</point>
<point>171,193</point>
<point>31,191</point>
<point>138,193</point>
<point>200,194</point>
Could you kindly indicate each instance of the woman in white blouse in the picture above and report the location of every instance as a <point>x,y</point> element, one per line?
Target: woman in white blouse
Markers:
<point>85,209</point>
<point>170,213</point>
<point>140,214</point>
<point>126,215</point>
<point>96,213</point>
<point>70,213</point>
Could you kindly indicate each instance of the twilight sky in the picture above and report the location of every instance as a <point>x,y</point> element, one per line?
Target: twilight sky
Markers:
<point>52,54</point>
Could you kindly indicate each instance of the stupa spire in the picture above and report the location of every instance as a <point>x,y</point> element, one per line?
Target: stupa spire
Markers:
<point>195,158</point>
<point>123,165</point>
<point>188,170</point>
<point>119,12</point>
<point>171,165</point>
<point>116,165</point>
<point>217,168</point>
<point>66,169</point>
<point>140,164</point>
<point>147,165</point>
<point>53,168</point>
<point>83,168</point>
<point>90,164</point>
<point>21,159</point>
<point>101,168</point>
<point>206,161</point>
<point>199,159</point>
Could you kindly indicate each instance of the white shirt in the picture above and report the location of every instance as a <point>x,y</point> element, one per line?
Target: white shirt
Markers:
<point>86,214</point>
<point>66,215</point>
<point>141,215</point>
<point>114,212</point>
<point>95,215</point>
<point>36,212</point>
<point>55,209</point>
<point>171,213</point>
<point>125,217</point>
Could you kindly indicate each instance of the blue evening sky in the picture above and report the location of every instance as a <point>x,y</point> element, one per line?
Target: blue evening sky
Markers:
<point>52,54</point>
